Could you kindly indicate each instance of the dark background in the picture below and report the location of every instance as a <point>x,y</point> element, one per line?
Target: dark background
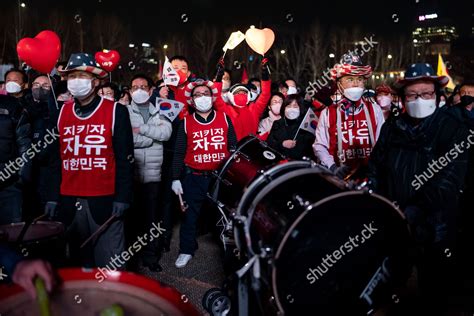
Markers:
<point>203,31</point>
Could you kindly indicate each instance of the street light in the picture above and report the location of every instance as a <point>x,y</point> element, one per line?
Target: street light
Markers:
<point>389,56</point>
<point>165,46</point>
<point>252,26</point>
<point>145,45</point>
<point>332,55</point>
<point>23,5</point>
<point>131,45</point>
<point>282,51</point>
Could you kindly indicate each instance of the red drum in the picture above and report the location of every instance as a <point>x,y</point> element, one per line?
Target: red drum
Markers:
<point>82,294</point>
<point>252,159</point>
<point>43,239</point>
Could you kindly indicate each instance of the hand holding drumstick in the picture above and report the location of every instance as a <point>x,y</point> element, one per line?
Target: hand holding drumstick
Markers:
<point>178,190</point>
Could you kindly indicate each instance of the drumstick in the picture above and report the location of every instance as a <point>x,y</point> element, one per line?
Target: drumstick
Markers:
<point>26,226</point>
<point>42,297</point>
<point>181,202</point>
<point>98,231</point>
<point>39,217</point>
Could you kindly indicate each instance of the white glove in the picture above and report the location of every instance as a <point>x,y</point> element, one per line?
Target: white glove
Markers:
<point>177,187</point>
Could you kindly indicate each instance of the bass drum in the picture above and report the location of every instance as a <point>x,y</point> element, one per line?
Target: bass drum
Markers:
<point>321,247</point>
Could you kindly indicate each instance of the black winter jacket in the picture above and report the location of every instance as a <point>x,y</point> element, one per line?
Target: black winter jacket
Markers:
<point>422,167</point>
<point>285,129</point>
<point>14,142</point>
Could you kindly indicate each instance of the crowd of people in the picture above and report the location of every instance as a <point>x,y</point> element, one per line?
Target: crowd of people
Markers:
<point>116,156</point>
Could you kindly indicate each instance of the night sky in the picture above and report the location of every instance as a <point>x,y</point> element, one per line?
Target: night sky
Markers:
<point>149,19</point>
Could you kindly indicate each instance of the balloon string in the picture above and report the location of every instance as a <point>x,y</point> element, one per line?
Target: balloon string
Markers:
<point>110,77</point>
<point>52,90</point>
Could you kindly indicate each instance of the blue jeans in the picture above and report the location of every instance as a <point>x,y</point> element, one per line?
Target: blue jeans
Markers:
<point>10,205</point>
<point>195,188</point>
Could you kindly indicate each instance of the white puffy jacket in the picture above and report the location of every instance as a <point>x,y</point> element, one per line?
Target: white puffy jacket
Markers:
<point>148,143</point>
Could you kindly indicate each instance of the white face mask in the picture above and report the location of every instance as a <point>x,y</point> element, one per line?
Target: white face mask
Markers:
<point>79,88</point>
<point>384,101</point>
<point>253,96</point>
<point>421,108</point>
<point>203,104</point>
<point>12,87</point>
<point>258,90</point>
<point>442,103</point>
<point>354,93</point>
<point>276,107</point>
<point>292,90</point>
<point>108,98</point>
<point>225,85</point>
<point>140,96</point>
<point>292,113</point>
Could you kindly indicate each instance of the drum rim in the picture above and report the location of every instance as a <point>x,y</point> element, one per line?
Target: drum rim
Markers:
<point>306,211</point>
<point>257,181</point>
<point>58,224</point>
<point>305,167</point>
<point>170,294</point>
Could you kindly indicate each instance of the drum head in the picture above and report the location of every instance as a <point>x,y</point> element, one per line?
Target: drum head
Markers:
<point>339,255</point>
<point>82,294</point>
<point>37,231</point>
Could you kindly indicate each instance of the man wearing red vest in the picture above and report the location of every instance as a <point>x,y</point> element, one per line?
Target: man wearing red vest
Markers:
<point>95,169</point>
<point>204,139</point>
<point>348,129</point>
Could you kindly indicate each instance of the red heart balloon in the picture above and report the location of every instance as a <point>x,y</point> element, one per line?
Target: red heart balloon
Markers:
<point>40,53</point>
<point>108,60</point>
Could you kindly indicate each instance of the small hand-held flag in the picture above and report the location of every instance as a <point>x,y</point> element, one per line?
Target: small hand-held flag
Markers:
<point>234,40</point>
<point>170,76</point>
<point>443,72</point>
<point>169,108</point>
<point>309,123</point>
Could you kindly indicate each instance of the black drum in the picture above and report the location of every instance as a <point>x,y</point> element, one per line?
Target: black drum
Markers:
<point>312,244</point>
<point>42,239</point>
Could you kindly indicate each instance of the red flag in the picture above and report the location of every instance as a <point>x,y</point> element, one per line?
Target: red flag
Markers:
<point>245,77</point>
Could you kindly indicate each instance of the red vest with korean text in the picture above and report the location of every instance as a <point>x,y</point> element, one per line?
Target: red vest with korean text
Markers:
<point>356,144</point>
<point>87,156</point>
<point>206,143</point>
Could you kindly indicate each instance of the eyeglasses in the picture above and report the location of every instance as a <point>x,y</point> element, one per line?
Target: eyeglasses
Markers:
<point>38,85</point>
<point>197,95</point>
<point>143,87</point>
<point>424,95</point>
<point>353,80</point>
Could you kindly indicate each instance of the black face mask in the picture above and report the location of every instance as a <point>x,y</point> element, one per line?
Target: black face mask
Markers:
<point>466,100</point>
<point>40,94</point>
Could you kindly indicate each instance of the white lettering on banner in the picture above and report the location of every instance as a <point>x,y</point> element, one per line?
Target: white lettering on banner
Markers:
<point>201,139</point>
<point>362,133</point>
<point>92,144</point>
<point>216,157</point>
<point>357,153</point>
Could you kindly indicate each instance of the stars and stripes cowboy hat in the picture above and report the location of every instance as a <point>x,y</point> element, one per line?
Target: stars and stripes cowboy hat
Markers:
<point>421,71</point>
<point>350,65</point>
<point>84,62</point>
